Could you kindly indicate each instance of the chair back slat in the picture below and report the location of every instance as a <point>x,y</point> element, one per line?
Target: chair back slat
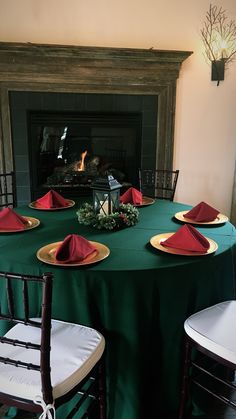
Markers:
<point>7,190</point>
<point>10,298</point>
<point>26,300</point>
<point>26,365</point>
<point>16,342</point>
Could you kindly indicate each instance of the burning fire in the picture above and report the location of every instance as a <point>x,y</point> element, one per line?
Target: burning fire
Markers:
<point>81,164</point>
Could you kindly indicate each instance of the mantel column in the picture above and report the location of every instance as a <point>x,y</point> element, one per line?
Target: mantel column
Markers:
<point>6,152</point>
<point>2,160</point>
<point>233,207</point>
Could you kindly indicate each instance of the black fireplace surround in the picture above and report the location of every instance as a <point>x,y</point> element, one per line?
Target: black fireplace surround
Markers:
<point>118,133</point>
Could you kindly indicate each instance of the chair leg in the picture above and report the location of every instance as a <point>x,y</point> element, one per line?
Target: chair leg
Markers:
<point>102,390</point>
<point>185,379</point>
<point>96,393</point>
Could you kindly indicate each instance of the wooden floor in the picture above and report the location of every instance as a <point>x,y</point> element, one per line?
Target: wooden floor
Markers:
<point>217,412</point>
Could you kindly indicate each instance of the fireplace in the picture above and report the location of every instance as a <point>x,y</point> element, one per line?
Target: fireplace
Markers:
<point>68,150</point>
<point>118,131</point>
<point>32,76</point>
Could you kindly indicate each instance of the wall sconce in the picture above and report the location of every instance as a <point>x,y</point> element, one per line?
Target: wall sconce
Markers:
<point>219,38</point>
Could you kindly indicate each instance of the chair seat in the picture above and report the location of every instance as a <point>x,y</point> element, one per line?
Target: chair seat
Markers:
<point>75,350</point>
<point>213,329</point>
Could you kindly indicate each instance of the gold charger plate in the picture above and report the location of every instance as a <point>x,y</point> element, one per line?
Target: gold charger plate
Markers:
<point>33,205</point>
<point>156,242</point>
<point>47,254</point>
<point>220,219</point>
<point>31,223</point>
<point>146,201</point>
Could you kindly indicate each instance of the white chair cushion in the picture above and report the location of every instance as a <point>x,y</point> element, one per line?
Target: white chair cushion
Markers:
<point>75,349</point>
<point>214,329</point>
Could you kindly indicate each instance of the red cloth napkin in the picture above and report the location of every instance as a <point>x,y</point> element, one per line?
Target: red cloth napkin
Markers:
<point>10,220</point>
<point>202,213</point>
<point>74,248</point>
<point>52,199</point>
<point>132,196</point>
<point>187,238</point>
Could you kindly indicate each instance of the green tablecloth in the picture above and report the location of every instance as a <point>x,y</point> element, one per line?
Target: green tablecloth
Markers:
<point>138,297</point>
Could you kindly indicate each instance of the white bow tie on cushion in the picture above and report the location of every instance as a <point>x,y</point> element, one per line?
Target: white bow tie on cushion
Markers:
<point>46,408</point>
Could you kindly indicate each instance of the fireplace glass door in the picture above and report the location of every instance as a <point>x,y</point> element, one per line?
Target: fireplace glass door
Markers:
<point>69,150</point>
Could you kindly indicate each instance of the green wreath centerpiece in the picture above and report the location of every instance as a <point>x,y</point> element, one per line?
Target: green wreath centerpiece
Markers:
<point>125,216</point>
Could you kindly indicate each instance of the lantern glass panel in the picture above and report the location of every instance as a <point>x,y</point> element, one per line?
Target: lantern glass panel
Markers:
<point>115,198</point>
<point>106,202</point>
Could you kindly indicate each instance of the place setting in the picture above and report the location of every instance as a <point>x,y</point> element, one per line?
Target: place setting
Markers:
<point>202,213</point>
<point>135,197</point>
<point>52,201</point>
<point>12,222</point>
<point>74,250</point>
<point>186,241</point>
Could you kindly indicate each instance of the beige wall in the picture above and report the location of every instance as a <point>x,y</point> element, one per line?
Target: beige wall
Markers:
<point>205,134</point>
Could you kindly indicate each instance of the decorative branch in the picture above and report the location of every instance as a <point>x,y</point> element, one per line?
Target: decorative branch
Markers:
<point>219,35</point>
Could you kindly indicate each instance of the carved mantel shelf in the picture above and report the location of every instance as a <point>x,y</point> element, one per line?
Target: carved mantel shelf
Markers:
<point>60,68</point>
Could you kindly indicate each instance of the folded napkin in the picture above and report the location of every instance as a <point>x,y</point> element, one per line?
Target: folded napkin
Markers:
<point>52,199</point>
<point>10,220</point>
<point>74,248</point>
<point>202,213</point>
<point>132,196</point>
<point>187,238</point>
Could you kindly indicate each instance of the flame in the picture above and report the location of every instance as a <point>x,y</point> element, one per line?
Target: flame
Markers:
<point>81,165</point>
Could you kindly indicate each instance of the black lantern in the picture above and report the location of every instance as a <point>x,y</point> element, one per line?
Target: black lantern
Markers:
<point>106,195</point>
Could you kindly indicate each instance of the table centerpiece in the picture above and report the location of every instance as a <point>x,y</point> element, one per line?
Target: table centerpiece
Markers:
<point>126,215</point>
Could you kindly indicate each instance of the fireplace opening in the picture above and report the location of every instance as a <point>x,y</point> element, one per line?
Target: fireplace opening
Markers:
<point>70,149</point>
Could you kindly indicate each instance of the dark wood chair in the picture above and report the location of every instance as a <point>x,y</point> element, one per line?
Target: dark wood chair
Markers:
<point>44,362</point>
<point>158,183</point>
<point>7,190</point>
<point>210,355</point>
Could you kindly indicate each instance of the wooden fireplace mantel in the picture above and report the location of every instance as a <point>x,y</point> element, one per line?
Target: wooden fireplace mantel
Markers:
<point>64,68</point>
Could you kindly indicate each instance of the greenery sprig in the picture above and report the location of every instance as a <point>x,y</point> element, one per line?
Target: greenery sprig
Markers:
<point>126,216</point>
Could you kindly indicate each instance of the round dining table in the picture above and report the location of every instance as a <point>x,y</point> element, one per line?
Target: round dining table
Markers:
<point>138,296</point>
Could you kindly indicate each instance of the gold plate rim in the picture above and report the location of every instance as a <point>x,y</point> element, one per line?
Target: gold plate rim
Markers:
<point>45,254</point>
<point>146,201</point>
<point>155,241</point>
<point>32,223</point>
<point>70,202</point>
<point>220,219</point>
